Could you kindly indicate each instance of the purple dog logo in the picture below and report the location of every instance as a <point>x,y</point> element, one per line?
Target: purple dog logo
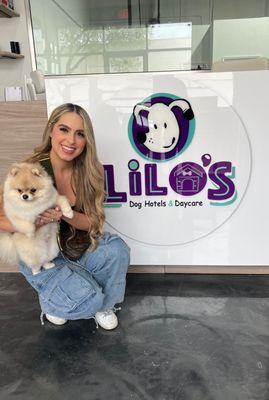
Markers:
<point>161,127</point>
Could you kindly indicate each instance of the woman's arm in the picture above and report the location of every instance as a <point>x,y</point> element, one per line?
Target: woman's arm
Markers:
<point>79,220</point>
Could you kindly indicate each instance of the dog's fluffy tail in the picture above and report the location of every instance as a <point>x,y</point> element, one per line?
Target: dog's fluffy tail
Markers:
<point>8,252</point>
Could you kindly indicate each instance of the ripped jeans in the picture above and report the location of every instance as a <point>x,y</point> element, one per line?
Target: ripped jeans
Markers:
<point>67,293</point>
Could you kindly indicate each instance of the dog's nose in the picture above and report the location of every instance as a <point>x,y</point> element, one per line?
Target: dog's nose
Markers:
<point>25,197</point>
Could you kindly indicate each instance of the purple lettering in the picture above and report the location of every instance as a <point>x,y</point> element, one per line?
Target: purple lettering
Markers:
<point>151,186</point>
<point>135,185</point>
<point>225,186</point>
<point>112,195</point>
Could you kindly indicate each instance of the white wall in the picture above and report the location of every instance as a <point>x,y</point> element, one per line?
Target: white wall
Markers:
<point>240,37</point>
<point>229,9</point>
<point>12,71</point>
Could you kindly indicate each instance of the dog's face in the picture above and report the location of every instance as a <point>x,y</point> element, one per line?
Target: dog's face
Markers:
<point>26,182</point>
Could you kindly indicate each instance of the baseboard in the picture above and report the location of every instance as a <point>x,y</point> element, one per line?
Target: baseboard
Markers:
<point>180,269</point>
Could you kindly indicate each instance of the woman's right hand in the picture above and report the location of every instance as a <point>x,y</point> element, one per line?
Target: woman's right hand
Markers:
<point>49,216</point>
<point>39,222</point>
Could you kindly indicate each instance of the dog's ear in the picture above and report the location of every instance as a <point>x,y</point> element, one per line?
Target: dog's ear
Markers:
<point>37,170</point>
<point>14,169</point>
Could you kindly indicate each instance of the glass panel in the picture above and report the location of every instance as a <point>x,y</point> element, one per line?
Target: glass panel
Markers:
<point>167,36</point>
<point>84,64</point>
<point>170,60</point>
<point>121,39</point>
<point>101,36</point>
<point>126,64</point>
<point>241,38</point>
<point>77,40</point>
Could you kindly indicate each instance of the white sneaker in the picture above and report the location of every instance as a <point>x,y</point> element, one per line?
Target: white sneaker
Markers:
<point>56,320</point>
<point>107,319</point>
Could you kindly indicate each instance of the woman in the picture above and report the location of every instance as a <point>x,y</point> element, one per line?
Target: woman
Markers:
<point>90,273</point>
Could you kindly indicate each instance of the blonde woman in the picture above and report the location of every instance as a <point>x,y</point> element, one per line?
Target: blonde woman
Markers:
<point>90,274</point>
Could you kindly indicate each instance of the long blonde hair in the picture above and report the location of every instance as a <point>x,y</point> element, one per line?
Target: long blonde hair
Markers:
<point>88,173</point>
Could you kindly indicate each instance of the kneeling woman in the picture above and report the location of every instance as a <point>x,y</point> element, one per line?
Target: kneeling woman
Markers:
<point>90,273</point>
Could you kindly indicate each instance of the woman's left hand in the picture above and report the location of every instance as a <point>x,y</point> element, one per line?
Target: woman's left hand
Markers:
<point>50,215</point>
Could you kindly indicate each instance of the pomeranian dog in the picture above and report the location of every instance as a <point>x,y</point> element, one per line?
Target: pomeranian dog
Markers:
<point>27,192</point>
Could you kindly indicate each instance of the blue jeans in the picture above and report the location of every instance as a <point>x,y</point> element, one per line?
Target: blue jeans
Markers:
<point>74,294</point>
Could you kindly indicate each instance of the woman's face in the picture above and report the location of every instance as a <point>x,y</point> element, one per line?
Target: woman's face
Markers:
<point>67,137</point>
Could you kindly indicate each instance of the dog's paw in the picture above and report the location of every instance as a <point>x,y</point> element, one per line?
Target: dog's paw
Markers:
<point>30,230</point>
<point>68,212</point>
<point>48,265</point>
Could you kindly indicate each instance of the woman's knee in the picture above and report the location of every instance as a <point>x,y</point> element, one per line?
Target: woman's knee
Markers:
<point>111,255</point>
<point>39,280</point>
<point>118,251</point>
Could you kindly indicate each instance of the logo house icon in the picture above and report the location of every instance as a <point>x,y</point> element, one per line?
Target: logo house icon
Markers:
<point>188,179</point>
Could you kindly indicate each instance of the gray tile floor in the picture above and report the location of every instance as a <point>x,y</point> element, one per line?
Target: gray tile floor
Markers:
<point>180,337</point>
